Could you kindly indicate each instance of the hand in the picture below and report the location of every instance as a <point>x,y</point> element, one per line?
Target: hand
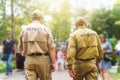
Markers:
<point>2,56</point>
<point>72,73</point>
<point>52,67</point>
<point>23,55</point>
<point>15,55</point>
<point>65,57</point>
<point>97,64</point>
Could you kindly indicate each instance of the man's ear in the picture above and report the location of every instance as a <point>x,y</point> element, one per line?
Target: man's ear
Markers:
<point>76,25</point>
<point>41,19</point>
<point>86,24</point>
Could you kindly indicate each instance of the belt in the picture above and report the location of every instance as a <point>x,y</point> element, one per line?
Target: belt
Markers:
<point>38,54</point>
<point>85,59</point>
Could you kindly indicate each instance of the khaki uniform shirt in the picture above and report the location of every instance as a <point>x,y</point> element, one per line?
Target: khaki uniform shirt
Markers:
<point>84,44</point>
<point>36,38</point>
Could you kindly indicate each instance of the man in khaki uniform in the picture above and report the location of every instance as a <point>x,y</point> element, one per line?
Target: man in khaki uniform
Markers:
<point>84,52</point>
<point>35,42</point>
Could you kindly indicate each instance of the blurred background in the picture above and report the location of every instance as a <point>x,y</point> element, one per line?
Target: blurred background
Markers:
<point>103,16</point>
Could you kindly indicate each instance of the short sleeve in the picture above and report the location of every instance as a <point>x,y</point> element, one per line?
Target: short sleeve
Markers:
<point>4,42</point>
<point>50,40</point>
<point>100,50</point>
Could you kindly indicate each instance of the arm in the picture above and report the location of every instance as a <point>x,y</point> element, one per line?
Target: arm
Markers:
<point>3,50</point>
<point>115,49</point>
<point>52,55</point>
<point>15,49</point>
<point>66,47</point>
<point>71,52</point>
<point>100,50</point>
<point>51,47</point>
<point>20,46</point>
<point>109,48</point>
<point>71,55</point>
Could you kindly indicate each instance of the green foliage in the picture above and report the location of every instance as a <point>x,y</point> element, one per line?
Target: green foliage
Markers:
<point>113,42</point>
<point>104,20</point>
<point>22,15</point>
<point>98,20</point>
<point>80,12</point>
<point>3,66</point>
<point>115,76</point>
<point>63,17</point>
<point>114,59</point>
<point>60,23</point>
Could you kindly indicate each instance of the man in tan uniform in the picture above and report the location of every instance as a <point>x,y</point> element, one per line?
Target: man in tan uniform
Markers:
<point>35,42</point>
<point>84,52</point>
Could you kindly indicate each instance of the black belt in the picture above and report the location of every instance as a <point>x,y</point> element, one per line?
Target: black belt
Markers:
<point>85,59</point>
<point>38,54</point>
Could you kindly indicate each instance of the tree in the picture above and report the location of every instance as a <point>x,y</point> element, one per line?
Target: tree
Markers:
<point>98,20</point>
<point>80,12</point>
<point>103,20</point>
<point>23,10</point>
<point>3,24</point>
<point>116,13</point>
<point>61,22</point>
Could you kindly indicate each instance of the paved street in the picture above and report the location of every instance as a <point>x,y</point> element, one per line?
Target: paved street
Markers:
<point>58,75</point>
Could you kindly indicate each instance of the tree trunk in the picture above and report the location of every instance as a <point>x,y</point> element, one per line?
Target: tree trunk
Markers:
<point>12,18</point>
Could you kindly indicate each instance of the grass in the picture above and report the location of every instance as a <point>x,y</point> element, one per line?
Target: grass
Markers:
<point>115,76</point>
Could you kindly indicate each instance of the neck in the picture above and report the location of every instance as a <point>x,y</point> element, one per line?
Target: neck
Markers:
<point>36,21</point>
<point>8,38</point>
<point>81,27</point>
<point>40,20</point>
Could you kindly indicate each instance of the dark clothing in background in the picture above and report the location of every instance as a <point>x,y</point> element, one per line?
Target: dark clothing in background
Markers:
<point>19,61</point>
<point>8,46</point>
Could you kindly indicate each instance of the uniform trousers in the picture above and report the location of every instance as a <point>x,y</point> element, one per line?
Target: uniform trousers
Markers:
<point>85,69</point>
<point>37,67</point>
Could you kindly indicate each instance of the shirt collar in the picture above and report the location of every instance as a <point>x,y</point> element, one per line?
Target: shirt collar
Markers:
<point>35,21</point>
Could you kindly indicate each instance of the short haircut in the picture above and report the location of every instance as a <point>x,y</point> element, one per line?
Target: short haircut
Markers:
<point>102,35</point>
<point>37,14</point>
<point>8,33</point>
<point>80,22</point>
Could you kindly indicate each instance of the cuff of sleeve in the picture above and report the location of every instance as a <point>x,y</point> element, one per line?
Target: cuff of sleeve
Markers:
<point>69,67</point>
<point>51,45</point>
<point>98,60</point>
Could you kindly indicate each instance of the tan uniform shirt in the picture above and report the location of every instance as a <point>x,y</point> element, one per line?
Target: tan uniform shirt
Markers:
<point>36,38</point>
<point>84,44</point>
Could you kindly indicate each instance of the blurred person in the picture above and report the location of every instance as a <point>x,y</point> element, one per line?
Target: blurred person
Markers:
<point>65,54</point>
<point>19,61</point>
<point>19,58</point>
<point>0,51</point>
<point>84,51</point>
<point>8,50</point>
<point>64,51</point>
<point>60,60</point>
<point>105,64</point>
<point>66,48</point>
<point>36,42</point>
<point>117,48</point>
